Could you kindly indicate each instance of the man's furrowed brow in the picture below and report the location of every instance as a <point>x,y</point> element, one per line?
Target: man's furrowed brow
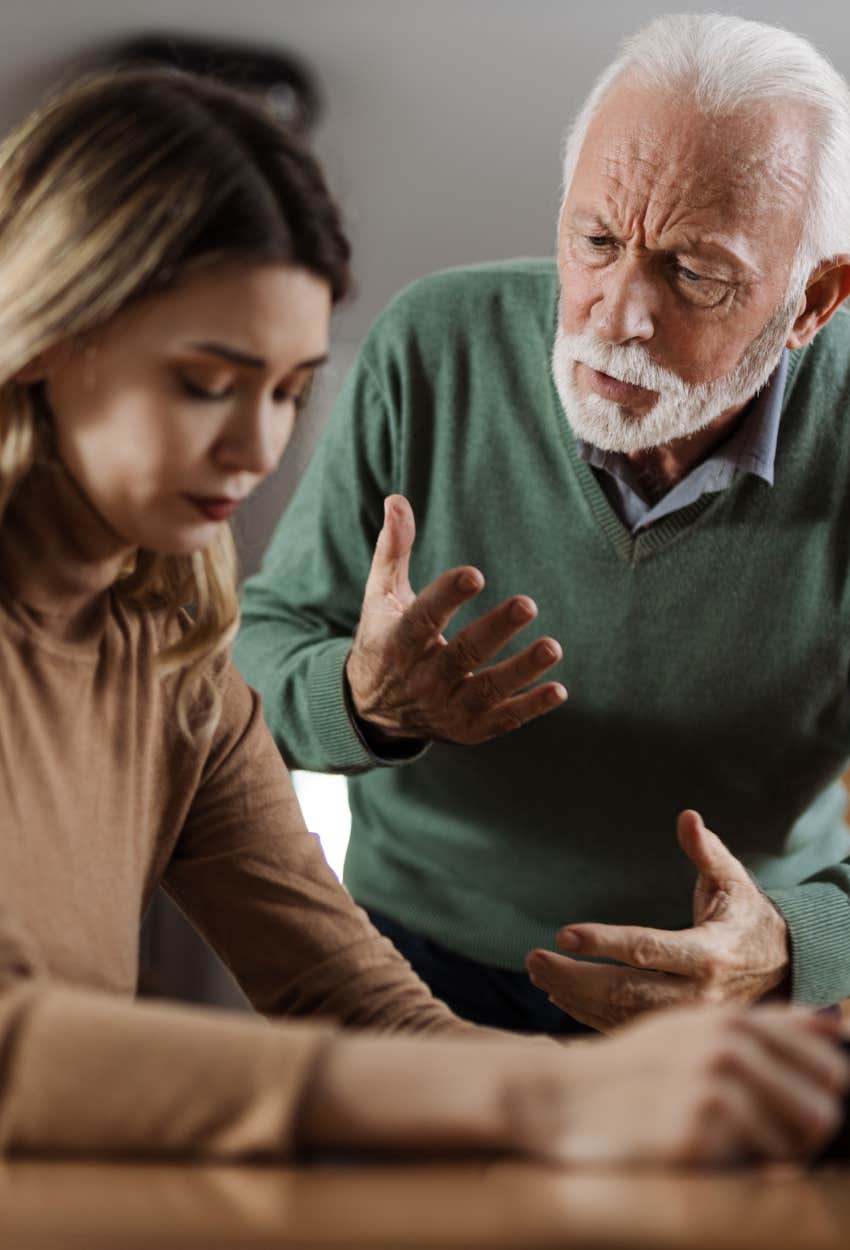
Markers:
<point>716,249</point>
<point>590,220</point>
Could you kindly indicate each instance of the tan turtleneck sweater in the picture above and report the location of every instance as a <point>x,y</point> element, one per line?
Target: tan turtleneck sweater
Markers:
<point>101,800</point>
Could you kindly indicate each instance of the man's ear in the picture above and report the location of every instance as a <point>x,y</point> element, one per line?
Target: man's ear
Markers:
<point>826,290</point>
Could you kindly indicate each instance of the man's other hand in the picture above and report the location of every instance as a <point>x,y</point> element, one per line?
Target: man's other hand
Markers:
<point>736,952</point>
<point>407,681</point>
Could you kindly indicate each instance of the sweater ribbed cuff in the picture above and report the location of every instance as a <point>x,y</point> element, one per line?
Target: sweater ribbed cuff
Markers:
<point>335,723</point>
<point>818,919</point>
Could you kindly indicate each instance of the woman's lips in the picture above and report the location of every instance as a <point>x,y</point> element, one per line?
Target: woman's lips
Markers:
<point>612,388</point>
<point>214,508</point>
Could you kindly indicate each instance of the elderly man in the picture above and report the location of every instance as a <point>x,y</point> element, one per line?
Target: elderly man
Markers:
<point>671,499</point>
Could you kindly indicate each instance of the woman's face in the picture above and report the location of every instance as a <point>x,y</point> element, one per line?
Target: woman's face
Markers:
<point>170,414</point>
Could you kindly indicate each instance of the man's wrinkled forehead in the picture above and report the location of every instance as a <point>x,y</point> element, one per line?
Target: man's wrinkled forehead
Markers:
<point>650,153</point>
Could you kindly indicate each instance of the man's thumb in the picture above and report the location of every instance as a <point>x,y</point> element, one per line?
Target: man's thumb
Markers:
<point>391,560</point>
<point>705,850</point>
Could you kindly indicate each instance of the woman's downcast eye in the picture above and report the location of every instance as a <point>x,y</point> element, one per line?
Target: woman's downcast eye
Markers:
<point>294,390</point>
<point>298,392</point>
<point>198,390</point>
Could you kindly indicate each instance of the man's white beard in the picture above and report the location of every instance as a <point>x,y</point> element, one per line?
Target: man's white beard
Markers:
<point>682,408</point>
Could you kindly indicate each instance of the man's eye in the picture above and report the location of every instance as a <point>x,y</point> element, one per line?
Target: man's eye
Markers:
<point>196,391</point>
<point>688,274</point>
<point>699,289</point>
<point>598,241</point>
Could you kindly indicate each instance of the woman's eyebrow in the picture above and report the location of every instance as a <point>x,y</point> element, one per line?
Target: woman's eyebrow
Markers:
<point>236,356</point>
<point>233,354</point>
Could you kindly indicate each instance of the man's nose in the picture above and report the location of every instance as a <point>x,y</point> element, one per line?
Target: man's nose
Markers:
<point>625,309</point>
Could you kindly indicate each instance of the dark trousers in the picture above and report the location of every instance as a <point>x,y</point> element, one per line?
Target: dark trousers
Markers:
<point>475,991</point>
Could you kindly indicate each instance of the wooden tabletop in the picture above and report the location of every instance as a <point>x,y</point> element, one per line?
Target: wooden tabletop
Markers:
<point>464,1206</point>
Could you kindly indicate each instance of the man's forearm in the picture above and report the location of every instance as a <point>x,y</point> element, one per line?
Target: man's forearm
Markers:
<point>303,695</point>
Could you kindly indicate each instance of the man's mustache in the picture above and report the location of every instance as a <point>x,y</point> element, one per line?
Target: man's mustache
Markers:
<point>631,365</point>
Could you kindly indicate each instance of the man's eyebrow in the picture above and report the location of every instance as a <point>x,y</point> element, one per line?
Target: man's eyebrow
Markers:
<point>588,219</point>
<point>236,356</point>
<point>708,245</point>
<point>698,245</point>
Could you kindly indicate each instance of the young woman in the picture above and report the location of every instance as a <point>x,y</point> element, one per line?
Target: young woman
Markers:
<point>168,262</point>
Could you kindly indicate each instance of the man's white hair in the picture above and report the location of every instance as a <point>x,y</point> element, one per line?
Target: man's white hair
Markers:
<point>724,64</point>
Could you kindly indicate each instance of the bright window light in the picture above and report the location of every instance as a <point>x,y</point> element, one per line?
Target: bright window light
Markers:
<point>324,802</point>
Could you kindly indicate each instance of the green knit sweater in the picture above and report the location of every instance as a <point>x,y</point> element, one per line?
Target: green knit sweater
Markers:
<point>706,659</point>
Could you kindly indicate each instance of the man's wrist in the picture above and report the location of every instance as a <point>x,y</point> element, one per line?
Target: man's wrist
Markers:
<point>381,746</point>
<point>778,987</point>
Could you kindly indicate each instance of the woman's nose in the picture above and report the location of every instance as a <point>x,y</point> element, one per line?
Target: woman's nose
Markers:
<point>257,438</point>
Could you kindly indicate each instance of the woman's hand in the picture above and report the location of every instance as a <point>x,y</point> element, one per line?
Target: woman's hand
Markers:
<point>691,1086</point>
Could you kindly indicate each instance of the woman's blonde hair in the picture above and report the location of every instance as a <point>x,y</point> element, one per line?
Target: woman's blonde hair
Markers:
<point>109,193</point>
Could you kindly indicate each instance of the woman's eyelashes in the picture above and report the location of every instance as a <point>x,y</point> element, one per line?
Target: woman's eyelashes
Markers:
<point>197,386</point>
<point>295,390</point>
<point>201,392</point>
<point>212,390</point>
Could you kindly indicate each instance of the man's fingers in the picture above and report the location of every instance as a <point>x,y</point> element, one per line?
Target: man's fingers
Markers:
<point>500,681</point>
<point>603,992</point>
<point>513,713</point>
<point>580,996</point>
<point>389,573</point>
<point>432,609</point>
<point>707,852</point>
<point>482,639</point>
<point>660,950</point>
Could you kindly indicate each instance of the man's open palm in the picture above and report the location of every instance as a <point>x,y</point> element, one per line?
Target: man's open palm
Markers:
<point>737,950</point>
<point>408,681</point>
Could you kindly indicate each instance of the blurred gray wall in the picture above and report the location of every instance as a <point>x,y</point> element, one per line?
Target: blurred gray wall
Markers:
<point>441,137</point>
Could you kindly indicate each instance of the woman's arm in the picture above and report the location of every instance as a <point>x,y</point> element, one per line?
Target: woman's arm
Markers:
<point>695,1086</point>
<point>257,886</point>
<point>82,1072</point>
<point>87,1073</point>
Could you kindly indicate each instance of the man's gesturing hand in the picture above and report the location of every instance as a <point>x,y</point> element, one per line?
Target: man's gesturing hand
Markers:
<point>407,681</point>
<point>737,950</point>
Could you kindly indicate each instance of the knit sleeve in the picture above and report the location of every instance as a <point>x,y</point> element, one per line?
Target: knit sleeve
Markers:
<point>300,612</point>
<point>256,885</point>
<point>85,1072</point>
<point>817,913</point>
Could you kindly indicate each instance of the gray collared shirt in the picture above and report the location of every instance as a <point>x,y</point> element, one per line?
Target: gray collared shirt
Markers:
<point>751,449</point>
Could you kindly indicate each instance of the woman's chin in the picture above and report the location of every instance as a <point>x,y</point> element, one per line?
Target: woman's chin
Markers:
<point>183,542</point>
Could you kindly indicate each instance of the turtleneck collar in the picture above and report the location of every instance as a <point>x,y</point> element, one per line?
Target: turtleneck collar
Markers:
<point>58,556</point>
